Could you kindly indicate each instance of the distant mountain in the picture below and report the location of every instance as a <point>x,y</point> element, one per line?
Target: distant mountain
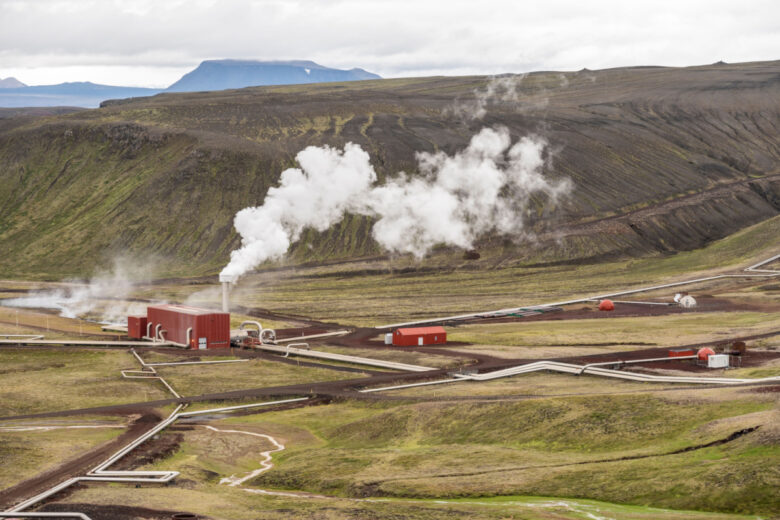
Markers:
<point>11,83</point>
<point>230,74</point>
<point>79,94</point>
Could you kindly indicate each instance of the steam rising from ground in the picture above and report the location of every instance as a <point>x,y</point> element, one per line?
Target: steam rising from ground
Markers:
<point>100,298</point>
<point>500,89</point>
<point>485,187</point>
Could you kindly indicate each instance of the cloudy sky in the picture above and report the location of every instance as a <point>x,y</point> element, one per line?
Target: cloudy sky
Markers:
<point>153,42</point>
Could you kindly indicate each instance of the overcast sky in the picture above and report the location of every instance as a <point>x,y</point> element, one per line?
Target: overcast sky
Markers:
<point>153,42</point>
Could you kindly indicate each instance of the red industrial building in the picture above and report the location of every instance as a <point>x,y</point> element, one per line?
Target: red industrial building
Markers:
<point>419,336</point>
<point>681,352</point>
<point>136,327</point>
<point>197,328</point>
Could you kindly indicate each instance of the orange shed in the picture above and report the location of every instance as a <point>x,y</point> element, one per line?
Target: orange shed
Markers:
<point>419,336</point>
<point>606,305</point>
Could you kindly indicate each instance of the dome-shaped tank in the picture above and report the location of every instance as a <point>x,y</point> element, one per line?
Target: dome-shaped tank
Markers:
<point>606,305</point>
<point>687,302</point>
<point>704,353</point>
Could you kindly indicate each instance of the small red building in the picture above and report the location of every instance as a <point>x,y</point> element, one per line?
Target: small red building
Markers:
<point>197,328</point>
<point>419,336</point>
<point>136,327</point>
<point>681,352</point>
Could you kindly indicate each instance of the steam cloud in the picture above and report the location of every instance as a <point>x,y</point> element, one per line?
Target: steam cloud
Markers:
<point>498,89</point>
<point>99,299</point>
<point>485,187</point>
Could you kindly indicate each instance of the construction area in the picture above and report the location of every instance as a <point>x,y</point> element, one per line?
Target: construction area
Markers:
<point>232,405</point>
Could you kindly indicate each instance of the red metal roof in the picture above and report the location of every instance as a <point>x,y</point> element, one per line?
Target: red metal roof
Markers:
<point>421,330</point>
<point>184,309</point>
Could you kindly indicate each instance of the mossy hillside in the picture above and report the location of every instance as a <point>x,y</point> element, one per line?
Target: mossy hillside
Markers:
<point>450,450</point>
<point>162,177</point>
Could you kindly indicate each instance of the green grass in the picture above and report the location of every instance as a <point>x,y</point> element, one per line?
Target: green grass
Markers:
<point>36,381</point>
<point>203,379</point>
<point>221,502</point>
<point>28,453</point>
<point>504,449</point>
<point>661,331</point>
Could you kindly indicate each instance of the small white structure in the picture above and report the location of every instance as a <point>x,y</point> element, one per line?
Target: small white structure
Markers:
<point>718,361</point>
<point>389,338</point>
<point>687,302</point>
<point>226,280</point>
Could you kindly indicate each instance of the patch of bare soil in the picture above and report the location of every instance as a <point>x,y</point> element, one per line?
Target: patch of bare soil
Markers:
<point>116,512</point>
<point>766,389</point>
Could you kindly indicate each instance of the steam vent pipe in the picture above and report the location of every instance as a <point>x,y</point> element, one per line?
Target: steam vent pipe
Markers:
<point>226,280</point>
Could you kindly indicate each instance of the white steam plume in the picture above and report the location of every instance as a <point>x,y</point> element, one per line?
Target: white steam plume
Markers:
<point>100,299</point>
<point>454,201</point>
<point>498,89</point>
<point>328,184</point>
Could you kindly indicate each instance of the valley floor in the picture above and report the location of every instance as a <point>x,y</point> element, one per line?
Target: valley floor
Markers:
<point>541,445</point>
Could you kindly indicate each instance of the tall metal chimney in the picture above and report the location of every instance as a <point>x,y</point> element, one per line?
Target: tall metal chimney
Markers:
<point>226,280</point>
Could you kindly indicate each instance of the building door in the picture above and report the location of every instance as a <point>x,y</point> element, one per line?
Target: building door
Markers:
<point>202,343</point>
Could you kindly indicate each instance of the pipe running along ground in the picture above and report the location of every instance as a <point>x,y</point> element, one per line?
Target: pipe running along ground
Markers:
<point>102,473</point>
<point>764,273</point>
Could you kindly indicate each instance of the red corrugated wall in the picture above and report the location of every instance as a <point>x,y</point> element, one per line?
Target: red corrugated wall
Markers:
<point>136,327</point>
<point>211,329</point>
<point>410,337</point>
<point>215,328</point>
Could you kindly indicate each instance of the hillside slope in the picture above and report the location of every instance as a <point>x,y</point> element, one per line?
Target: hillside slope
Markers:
<point>662,160</point>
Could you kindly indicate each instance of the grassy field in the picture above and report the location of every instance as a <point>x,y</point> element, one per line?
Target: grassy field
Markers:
<point>533,384</point>
<point>28,453</point>
<point>441,452</point>
<point>27,321</point>
<point>538,447</point>
<point>36,381</point>
<point>227,503</point>
<point>427,453</point>
<point>619,333</point>
<point>256,373</point>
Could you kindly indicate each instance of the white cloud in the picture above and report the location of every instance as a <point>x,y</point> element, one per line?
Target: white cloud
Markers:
<point>151,43</point>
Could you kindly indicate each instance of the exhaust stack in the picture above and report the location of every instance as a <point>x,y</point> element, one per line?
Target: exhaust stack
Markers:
<point>226,280</point>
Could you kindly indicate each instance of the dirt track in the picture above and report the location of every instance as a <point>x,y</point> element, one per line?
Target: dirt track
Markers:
<point>78,466</point>
<point>347,388</point>
<point>114,512</point>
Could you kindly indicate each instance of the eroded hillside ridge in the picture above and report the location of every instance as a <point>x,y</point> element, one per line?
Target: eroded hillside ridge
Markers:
<point>662,160</point>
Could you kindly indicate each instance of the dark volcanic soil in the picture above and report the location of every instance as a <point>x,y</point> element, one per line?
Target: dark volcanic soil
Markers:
<point>114,512</point>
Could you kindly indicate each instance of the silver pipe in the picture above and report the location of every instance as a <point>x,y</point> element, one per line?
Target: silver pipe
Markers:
<point>753,268</point>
